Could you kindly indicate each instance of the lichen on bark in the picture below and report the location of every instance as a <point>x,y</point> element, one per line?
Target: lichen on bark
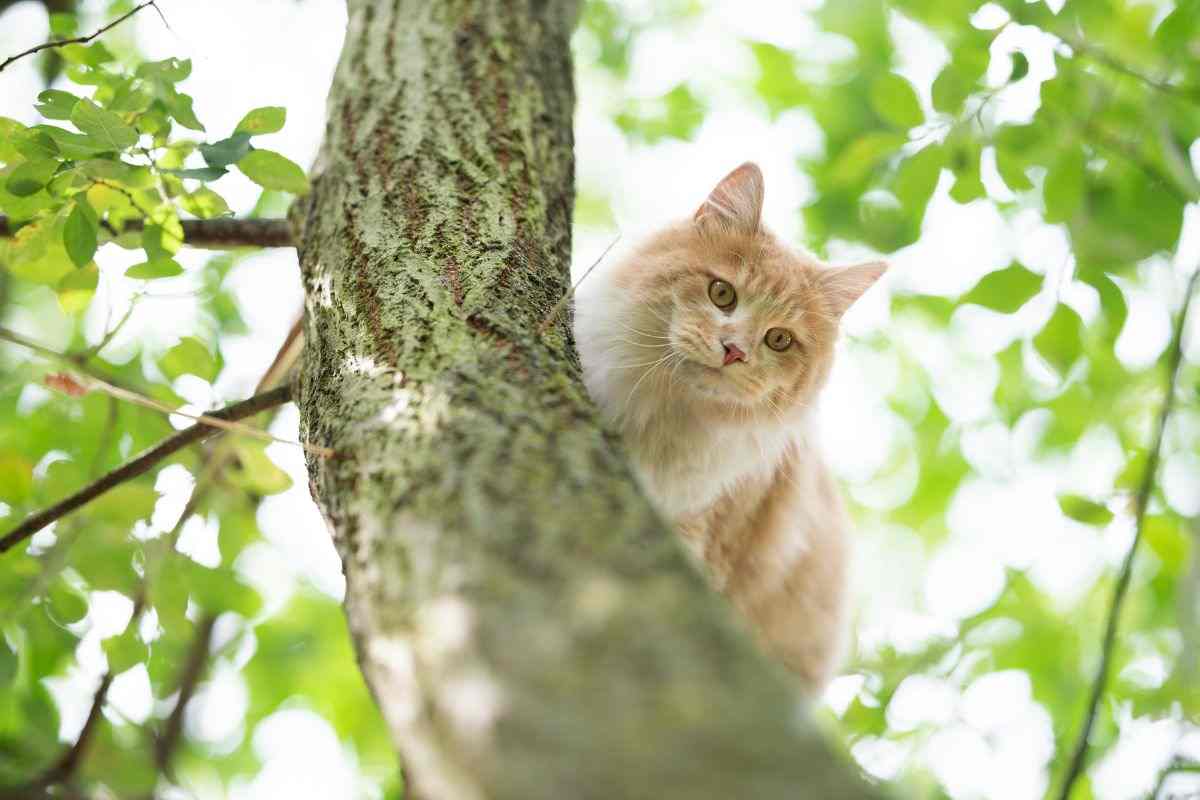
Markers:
<point>528,625</point>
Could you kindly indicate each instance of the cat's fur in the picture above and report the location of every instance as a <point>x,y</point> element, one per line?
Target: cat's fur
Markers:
<point>725,449</point>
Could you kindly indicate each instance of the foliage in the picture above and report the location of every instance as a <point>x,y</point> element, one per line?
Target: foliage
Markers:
<point>121,157</point>
<point>1106,152</point>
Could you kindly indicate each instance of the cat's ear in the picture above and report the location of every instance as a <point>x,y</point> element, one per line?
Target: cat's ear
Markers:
<point>844,285</point>
<point>737,201</point>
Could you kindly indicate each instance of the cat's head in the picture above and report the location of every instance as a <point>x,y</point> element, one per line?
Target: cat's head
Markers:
<point>719,311</point>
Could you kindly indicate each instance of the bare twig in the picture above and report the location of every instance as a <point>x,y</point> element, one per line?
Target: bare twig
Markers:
<point>212,234</point>
<point>62,770</point>
<point>84,384</point>
<point>77,39</point>
<point>91,379</point>
<point>76,361</point>
<point>1176,766</point>
<point>566,298</point>
<point>142,464</point>
<point>1111,62</point>
<point>1078,759</point>
<point>167,741</point>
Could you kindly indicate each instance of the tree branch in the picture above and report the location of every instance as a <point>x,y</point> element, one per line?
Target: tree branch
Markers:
<point>1174,360</point>
<point>77,39</point>
<point>1101,56</point>
<point>213,234</point>
<point>65,767</point>
<point>1176,766</point>
<point>77,361</point>
<point>165,744</point>
<point>142,464</point>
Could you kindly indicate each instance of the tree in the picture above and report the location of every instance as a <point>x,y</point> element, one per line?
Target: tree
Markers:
<point>475,496</point>
<point>523,619</point>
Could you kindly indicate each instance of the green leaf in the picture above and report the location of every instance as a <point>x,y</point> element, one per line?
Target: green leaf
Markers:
<point>950,90</point>
<point>8,664</point>
<point>1005,290</point>
<point>778,84</point>
<point>67,605</point>
<point>131,176</point>
<point>676,114</point>
<point>1020,67</point>
<point>31,177</point>
<point>1063,191</point>
<point>200,173</point>
<point>1168,540</point>
<point>12,132</point>
<point>63,25</point>
<point>125,651</point>
<point>227,151</point>
<point>16,479</point>
<point>92,55</point>
<point>1084,510</point>
<point>76,290</point>
<point>190,356</point>
<point>218,590</point>
<point>895,100</point>
<point>257,472</point>
<point>160,244</point>
<point>862,155</point>
<point>34,145</point>
<point>1012,170</point>
<point>180,107</point>
<point>69,144</point>
<point>1060,341</point>
<point>170,70</point>
<point>55,104</point>
<point>155,268</point>
<point>103,126</point>
<point>917,177</point>
<point>267,119</point>
<point>272,171</point>
<point>80,232</point>
<point>204,203</point>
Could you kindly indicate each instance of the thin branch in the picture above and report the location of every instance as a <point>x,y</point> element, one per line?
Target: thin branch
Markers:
<point>566,298</point>
<point>77,39</point>
<point>212,234</point>
<point>142,464</point>
<point>1174,360</point>
<point>168,740</point>
<point>81,385</point>
<point>92,380</point>
<point>62,770</point>
<point>1176,766</point>
<point>1108,60</point>
<point>76,361</point>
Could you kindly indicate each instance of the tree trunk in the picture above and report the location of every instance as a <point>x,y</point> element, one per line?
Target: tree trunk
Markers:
<point>528,625</point>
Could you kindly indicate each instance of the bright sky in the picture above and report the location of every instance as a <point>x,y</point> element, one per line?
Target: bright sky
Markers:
<point>994,740</point>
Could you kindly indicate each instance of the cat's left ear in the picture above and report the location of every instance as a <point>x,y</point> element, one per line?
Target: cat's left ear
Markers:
<point>737,201</point>
<point>844,285</point>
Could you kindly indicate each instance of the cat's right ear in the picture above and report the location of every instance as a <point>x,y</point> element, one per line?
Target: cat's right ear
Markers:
<point>736,203</point>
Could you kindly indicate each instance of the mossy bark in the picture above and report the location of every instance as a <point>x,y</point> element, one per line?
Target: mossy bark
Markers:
<point>528,625</point>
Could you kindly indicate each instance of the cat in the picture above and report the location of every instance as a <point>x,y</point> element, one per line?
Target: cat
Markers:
<point>706,347</point>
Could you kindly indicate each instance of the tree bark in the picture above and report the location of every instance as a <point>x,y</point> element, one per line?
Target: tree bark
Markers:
<point>528,625</point>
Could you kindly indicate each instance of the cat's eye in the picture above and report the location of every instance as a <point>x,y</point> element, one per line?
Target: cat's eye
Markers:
<point>778,339</point>
<point>722,294</point>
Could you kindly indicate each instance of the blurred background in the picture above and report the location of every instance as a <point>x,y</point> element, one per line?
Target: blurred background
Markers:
<point>1029,170</point>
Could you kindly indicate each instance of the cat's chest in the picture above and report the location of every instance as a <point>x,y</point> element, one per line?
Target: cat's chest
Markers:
<point>687,470</point>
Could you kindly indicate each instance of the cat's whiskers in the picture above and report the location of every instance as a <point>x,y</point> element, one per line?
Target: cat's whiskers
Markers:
<point>654,366</point>
<point>640,332</point>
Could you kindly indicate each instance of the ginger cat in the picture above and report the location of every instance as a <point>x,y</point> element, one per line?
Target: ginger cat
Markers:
<point>707,347</point>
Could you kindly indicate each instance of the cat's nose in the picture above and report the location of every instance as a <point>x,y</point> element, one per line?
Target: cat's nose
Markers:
<point>732,353</point>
